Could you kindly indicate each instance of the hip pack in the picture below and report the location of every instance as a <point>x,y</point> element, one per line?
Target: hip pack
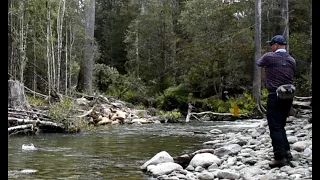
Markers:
<point>286,91</point>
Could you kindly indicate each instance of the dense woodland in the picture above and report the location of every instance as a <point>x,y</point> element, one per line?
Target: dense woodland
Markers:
<point>160,53</point>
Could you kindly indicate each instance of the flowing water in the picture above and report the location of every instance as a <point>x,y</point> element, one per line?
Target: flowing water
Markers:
<point>108,152</point>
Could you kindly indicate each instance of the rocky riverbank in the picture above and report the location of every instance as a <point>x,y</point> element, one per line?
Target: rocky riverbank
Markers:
<point>244,155</point>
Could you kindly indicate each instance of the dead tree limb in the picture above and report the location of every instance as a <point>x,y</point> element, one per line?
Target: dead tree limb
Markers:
<point>10,110</point>
<point>303,98</point>
<point>36,93</point>
<point>87,113</point>
<point>37,122</point>
<point>19,128</point>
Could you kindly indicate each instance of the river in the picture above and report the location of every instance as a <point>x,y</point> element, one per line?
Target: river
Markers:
<point>108,152</point>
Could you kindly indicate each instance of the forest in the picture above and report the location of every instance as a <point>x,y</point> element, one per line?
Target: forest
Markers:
<point>154,53</point>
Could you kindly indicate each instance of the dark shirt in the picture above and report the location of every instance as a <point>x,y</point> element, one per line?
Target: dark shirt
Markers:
<point>279,68</point>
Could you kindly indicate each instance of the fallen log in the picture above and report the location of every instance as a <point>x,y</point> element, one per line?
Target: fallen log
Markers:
<point>303,98</point>
<point>302,104</point>
<point>87,113</point>
<point>36,122</point>
<point>35,93</point>
<point>216,116</point>
<point>19,128</point>
<point>11,110</point>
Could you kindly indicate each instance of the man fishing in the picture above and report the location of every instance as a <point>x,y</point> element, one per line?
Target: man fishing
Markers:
<point>279,71</point>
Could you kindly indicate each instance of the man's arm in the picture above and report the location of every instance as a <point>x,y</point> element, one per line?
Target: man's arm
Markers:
<point>262,61</point>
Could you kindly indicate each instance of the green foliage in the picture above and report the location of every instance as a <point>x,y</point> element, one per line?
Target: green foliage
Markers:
<point>245,102</point>
<point>104,77</point>
<point>215,104</point>
<point>150,45</point>
<point>202,45</point>
<point>211,27</point>
<point>174,114</point>
<point>264,97</point>
<point>35,100</point>
<point>301,48</point>
<point>62,110</point>
<point>129,88</point>
<point>175,97</point>
<point>111,22</point>
<point>126,87</point>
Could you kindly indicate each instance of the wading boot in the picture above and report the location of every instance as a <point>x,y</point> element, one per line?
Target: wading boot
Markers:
<point>278,163</point>
<point>288,156</point>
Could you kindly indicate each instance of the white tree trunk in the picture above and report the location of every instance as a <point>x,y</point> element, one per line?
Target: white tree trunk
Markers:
<point>22,45</point>
<point>71,36</point>
<point>66,64</point>
<point>59,33</point>
<point>48,47</point>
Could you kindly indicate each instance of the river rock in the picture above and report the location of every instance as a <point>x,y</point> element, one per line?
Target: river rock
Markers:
<point>161,157</point>
<point>228,150</point>
<point>104,121</point>
<point>299,146</point>
<point>249,160</point>
<point>292,139</point>
<point>205,176</point>
<point>164,168</point>
<point>204,160</point>
<point>215,131</point>
<point>226,174</point>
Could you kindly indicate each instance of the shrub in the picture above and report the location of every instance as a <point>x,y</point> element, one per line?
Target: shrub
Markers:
<point>174,114</point>
<point>173,98</point>
<point>61,111</point>
<point>35,100</point>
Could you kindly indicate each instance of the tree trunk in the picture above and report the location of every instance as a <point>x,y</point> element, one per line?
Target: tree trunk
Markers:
<point>85,76</point>
<point>71,36</point>
<point>285,21</point>
<point>48,47</point>
<point>256,87</point>
<point>22,45</point>
<point>59,33</point>
<point>34,60</point>
<point>16,96</point>
<point>66,64</point>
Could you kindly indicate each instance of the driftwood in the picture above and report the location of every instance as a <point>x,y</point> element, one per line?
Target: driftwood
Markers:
<point>31,121</point>
<point>19,128</point>
<point>87,113</point>
<point>89,97</point>
<point>302,104</point>
<point>35,93</point>
<point>303,98</point>
<point>13,111</point>
<point>213,115</point>
<point>36,122</point>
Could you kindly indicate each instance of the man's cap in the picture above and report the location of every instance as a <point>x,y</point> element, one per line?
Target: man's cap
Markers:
<point>277,39</point>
